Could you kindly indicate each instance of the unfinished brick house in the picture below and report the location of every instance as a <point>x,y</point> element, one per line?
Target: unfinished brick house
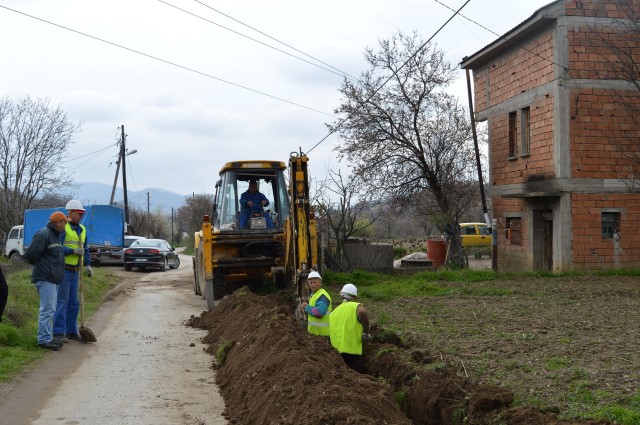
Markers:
<point>563,137</point>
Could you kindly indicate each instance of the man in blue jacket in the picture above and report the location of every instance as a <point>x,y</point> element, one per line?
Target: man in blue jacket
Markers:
<point>46,255</point>
<point>252,203</point>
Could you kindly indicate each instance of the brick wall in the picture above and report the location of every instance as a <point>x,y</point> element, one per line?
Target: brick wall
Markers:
<point>590,250</point>
<point>505,170</point>
<point>515,72</point>
<point>600,8</point>
<point>512,258</point>
<point>603,131</point>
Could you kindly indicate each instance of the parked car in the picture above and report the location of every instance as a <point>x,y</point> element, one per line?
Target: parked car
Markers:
<point>147,253</point>
<point>103,256</point>
<point>475,234</point>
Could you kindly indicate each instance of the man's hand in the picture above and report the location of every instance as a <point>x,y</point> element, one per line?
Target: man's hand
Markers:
<point>88,271</point>
<point>263,202</point>
<point>78,251</point>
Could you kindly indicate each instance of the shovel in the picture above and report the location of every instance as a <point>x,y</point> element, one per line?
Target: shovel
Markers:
<point>86,334</point>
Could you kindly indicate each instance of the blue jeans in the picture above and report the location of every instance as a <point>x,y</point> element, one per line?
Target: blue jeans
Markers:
<point>66,318</point>
<point>48,293</point>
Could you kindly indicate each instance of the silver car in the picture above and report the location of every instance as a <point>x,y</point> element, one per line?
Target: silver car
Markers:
<point>113,256</point>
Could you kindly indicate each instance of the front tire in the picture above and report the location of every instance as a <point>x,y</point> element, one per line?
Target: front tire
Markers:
<point>176,263</point>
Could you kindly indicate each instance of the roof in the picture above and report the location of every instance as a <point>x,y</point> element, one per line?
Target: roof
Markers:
<point>258,164</point>
<point>541,18</point>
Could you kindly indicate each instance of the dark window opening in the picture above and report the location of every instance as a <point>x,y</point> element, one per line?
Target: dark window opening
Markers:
<point>610,224</point>
<point>513,135</point>
<point>525,130</point>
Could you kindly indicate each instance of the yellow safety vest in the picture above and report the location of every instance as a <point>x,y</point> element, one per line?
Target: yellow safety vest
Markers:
<point>319,325</point>
<point>71,240</point>
<point>345,330</point>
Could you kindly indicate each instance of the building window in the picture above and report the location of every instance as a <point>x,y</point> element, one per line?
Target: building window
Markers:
<point>525,130</point>
<point>513,233</point>
<point>513,135</point>
<point>610,224</point>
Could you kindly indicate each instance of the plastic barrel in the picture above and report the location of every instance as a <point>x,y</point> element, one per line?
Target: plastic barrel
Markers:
<point>436,251</point>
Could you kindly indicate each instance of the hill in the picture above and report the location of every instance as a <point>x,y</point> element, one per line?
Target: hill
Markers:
<point>100,193</point>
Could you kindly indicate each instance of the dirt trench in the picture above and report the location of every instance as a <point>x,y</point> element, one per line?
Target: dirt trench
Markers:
<point>272,371</point>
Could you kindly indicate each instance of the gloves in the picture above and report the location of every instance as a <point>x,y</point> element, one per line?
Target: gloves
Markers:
<point>88,271</point>
<point>366,337</point>
<point>78,251</point>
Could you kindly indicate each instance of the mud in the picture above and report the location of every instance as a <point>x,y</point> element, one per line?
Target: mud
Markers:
<point>271,371</point>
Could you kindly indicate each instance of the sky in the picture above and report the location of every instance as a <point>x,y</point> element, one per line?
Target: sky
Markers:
<point>185,80</point>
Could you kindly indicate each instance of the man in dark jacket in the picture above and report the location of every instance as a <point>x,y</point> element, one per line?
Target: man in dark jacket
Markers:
<point>47,256</point>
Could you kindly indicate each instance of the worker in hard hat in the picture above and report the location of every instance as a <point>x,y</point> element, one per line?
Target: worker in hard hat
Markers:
<point>349,327</point>
<point>319,306</point>
<point>76,251</point>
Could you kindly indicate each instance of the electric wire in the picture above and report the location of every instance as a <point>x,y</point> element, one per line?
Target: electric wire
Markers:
<point>170,63</point>
<point>340,73</point>
<point>90,153</point>
<point>342,121</point>
<point>274,39</point>
<point>498,35</point>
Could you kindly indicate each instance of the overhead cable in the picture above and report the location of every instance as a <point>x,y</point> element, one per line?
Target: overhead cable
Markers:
<point>170,63</point>
<point>274,39</point>
<point>338,72</point>
<point>342,121</point>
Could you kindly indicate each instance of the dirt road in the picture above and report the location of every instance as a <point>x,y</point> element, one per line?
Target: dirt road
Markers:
<point>142,370</point>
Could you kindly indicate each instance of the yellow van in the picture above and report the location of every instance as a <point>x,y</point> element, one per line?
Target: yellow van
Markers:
<point>475,234</point>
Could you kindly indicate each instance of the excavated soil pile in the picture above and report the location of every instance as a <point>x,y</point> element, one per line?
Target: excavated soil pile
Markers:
<point>272,371</point>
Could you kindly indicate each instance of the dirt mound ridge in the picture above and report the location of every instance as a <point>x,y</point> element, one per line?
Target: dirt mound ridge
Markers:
<point>272,371</point>
<point>277,373</point>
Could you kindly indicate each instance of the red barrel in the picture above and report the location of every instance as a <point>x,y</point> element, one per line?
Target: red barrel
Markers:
<point>436,251</point>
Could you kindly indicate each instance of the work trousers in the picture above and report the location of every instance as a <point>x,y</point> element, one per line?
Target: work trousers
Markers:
<point>66,318</point>
<point>48,294</point>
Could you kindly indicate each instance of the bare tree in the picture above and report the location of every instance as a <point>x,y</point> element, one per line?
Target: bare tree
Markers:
<point>34,137</point>
<point>345,209</point>
<point>189,216</point>
<point>408,137</point>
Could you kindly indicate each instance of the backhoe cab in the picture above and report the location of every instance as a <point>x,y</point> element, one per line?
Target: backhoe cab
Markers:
<point>246,242</point>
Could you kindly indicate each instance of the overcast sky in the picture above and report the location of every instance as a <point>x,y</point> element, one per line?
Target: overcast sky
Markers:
<point>185,125</point>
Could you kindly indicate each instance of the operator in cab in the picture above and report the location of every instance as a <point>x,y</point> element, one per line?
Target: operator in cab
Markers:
<point>252,203</point>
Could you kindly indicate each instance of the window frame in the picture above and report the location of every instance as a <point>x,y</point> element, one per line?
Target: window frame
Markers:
<point>525,131</point>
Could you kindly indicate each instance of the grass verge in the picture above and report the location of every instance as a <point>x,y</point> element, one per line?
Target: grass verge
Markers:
<point>18,331</point>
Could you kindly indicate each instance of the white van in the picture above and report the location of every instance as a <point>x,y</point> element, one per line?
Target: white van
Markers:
<point>14,247</point>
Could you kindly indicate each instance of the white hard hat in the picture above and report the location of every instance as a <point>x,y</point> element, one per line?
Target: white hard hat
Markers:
<point>314,274</point>
<point>349,289</point>
<point>74,204</point>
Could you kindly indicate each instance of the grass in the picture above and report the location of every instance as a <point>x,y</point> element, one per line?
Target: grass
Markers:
<point>441,309</point>
<point>18,331</point>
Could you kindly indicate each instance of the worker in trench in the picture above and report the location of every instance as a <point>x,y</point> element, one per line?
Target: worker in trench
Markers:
<point>349,326</point>
<point>319,306</point>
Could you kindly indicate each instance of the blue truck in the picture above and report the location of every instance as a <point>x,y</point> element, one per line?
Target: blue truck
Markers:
<point>104,223</point>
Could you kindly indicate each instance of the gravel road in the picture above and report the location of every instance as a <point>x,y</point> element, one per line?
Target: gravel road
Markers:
<point>146,368</point>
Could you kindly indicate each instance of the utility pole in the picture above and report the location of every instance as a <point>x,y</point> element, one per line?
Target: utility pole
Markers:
<point>115,180</point>
<point>124,177</point>
<point>172,226</point>
<point>148,217</point>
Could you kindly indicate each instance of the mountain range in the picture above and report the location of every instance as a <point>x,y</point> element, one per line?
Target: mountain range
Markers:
<point>92,193</point>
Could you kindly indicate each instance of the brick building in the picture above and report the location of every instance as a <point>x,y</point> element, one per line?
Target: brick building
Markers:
<point>563,137</point>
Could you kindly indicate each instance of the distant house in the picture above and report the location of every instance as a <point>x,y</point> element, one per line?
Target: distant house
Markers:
<point>562,142</point>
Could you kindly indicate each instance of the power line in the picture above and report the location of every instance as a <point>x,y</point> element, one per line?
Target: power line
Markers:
<point>90,153</point>
<point>170,63</point>
<point>274,39</point>
<point>342,121</point>
<point>498,35</point>
<point>340,73</point>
